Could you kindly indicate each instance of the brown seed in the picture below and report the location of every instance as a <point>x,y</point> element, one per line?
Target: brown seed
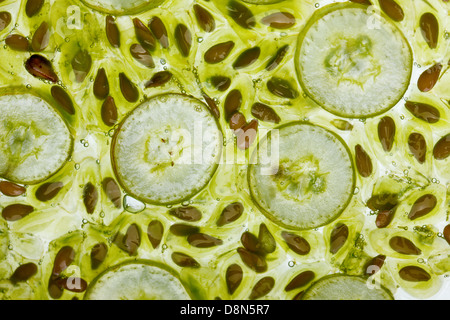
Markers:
<point>250,242</point>
<point>81,65</point>
<point>5,19</point>
<point>232,103</point>
<point>404,246</point>
<point>338,237</point>
<point>279,56</point>
<point>414,274</point>
<point>342,124</point>
<point>281,88</point>
<point>382,201</point>
<point>247,134</point>
<point>63,259</point>
<point>112,32</point>
<point>366,2</point>
<point>233,277</point>
<point>446,233</point>
<point>141,55</point>
<point>155,232</point>
<point>247,58</point>
<point>131,240</point>
<point>441,149</point>
<point>40,67</point>
<point>159,31</point>
<point>386,133</point>
<point>429,78</point>
<point>112,191</point>
<point>54,288</point>
<point>296,243</point>
<point>183,260</point>
<point>109,111</point>
<point>301,280</point>
<point>429,28</point>
<point>33,7</point>
<point>418,146</point>
<point>73,284</point>
<point>252,260</point>
<point>218,52</point>
<point>41,37</point>
<point>48,191</point>
<point>159,79</point>
<point>374,265</point>
<point>204,18</point>
<point>423,111</point>
<point>17,42</point>
<point>363,162</point>
<point>186,213</point>
<point>182,230</point>
<point>384,217</point>
<point>90,197</point>
<point>266,240</point>
<point>144,35</point>
<point>392,9</point>
<point>11,189</point>
<point>221,83</point>
<point>241,14</point>
<point>262,288</point>
<point>230,213</point>
<point>101,84</point>
<point>264,113</point>
<point>24,272</point>
<point>279,20</point>
<point>212,105</point>
<point>63,99</point>
<point>201,240</point>
<point>17,211</point>
<point>422,206</point>
<point>237,121</point>
<point>183,39</point>
<point>98,255</point>
<point>128,89</point>
<point>299,295</point>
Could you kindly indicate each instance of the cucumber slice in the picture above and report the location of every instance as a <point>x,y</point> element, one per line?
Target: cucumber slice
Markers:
<point>119,7</point>
<point>137,280</point>
<point>345,287</point>
<point>352,62</point>
<point>35,142</point>
<point>303,176</point>
<point>167,149</point>
<point>262,1</point>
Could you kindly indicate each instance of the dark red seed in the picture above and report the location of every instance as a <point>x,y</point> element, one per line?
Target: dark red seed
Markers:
<point>41,37</point>
<point>212,105</point>
<point>276,60</point>
<point>230,213</point>
<point>281,88</point>
<point>128,89</point>
<point>17,211</point>
<point>446,233</point>
<point>219,52</point>
<point>429,78</point>
<point>232,103</point>
<point>63,259</point>
<point>101,84</point>
<point>109,111</point>
<point>262,288</point>
<point>141,55</point>
<point>204,18</point>
<point>441,149</point>
<point>247,58</point>
<point>414,274</point>
<point>429,28</point>
<point>418,146</point>
<point>252,260</point>
<point>423,111</point>
<point>365,2</point>
<point>5,20</point>
<point>159,79</point>
<point>237,121</point>
<point>155,233</point>
<point>112,191</point>
<point>279,20</point>
<point>81,65</point>
<point>90,197</point>
<point>404,246</point>
<point>33,7</point>
<point>40,67</point>
<point>48,191</point>
<point>384,217</point>
<point>386,133</point>
<point>24,272</point>
<point>221,83</point>
<point>54,289</point>
<point>184,260</point>
<point>247,134</point>
<point>201,240</point>
<point>182,230</point>
<point>183,39</point>
<point>264,113</point>
<point>186,213</point>
<point>17,42</point>
<point>296,243</point>
<point>144,35</point>
<point>11,189</point>
<point>300,280</point>
<point>98,254</point>
<point>63,99</point>
<point>374,265</point>
<point>250,242</point>
<point>392,9</point>
<point>131,240</point>
<point>422,206</point>
<point>241,14</point>
<point>112,32</point>
<point>338,237</point>
<point>233,277</point>
<point>363,161</point>
<point>159,31</point>
<point>383,201</point>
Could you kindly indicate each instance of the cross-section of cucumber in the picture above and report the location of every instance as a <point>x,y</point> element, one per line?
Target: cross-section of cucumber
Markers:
<point>137,280</point>
<point>119,7</point>
<point>167,149</point>
<point>303,176</point>
<point>35,142</point>
<point>352,61</point>
<point>345,287</point>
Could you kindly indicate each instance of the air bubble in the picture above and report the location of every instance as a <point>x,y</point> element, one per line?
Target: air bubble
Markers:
<point>200,40</point>
<point>317,5</point>
<point>102,214</point>
<point>67,39</point>
<point>291,263</point>
<point>185,203</point>
<point>356,190</point>
<point>162,61</point>
<point>77,166</point>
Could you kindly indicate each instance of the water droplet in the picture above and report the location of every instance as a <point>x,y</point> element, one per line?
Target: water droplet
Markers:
<point>291,263</point>
<point>67,39</point>
<point>162,61</point>
<point>283,34</point>
<point>132,205</point>
<point>102,214</point>
<point>317,5</point>
<point>77,166</point>
<point>97,161</point>
<point>356,190</point>
<point>28,86</point>
<point>185,203</point>
<point>434,180</point>
<point>200,39</point>
<point>420,260</point>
